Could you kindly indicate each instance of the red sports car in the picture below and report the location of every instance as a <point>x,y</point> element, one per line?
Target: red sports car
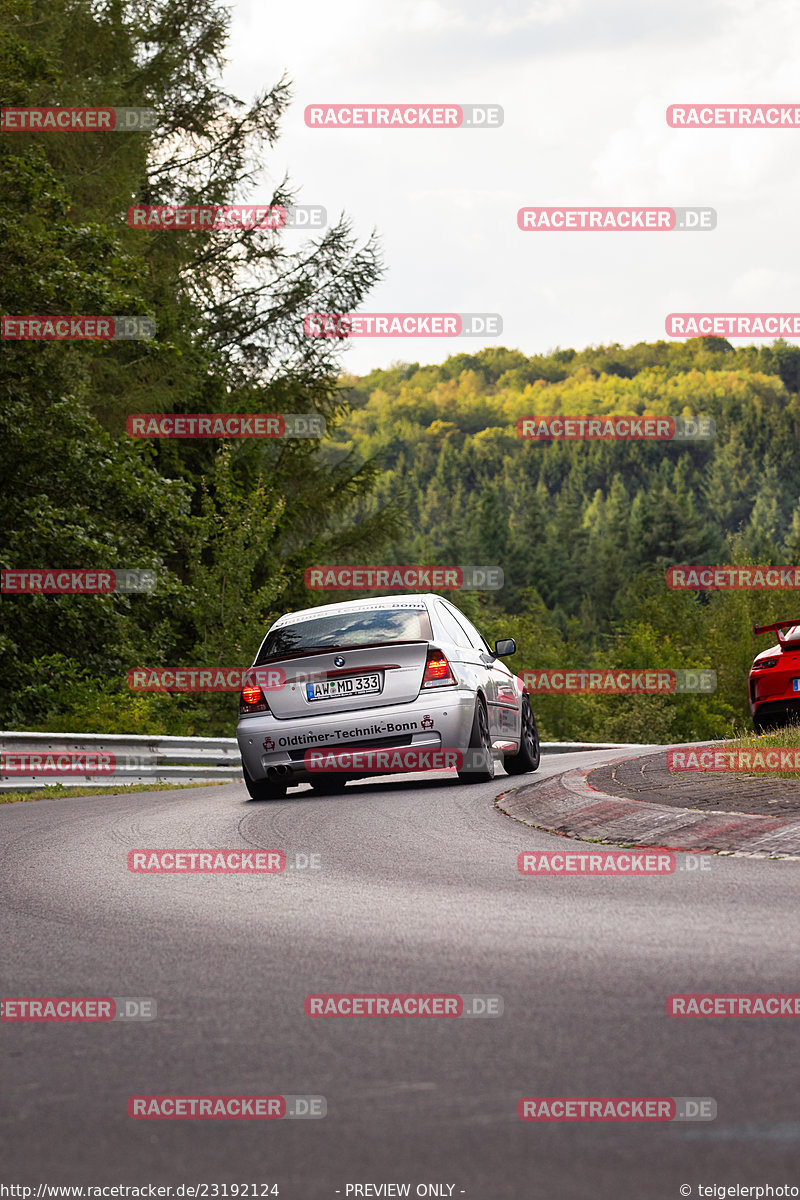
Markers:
<point>775,678</point>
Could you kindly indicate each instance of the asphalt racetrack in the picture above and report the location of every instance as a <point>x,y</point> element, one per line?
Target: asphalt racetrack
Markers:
<point>416,891</point>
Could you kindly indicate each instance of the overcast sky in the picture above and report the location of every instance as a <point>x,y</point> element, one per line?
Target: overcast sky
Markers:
<point>584,87</point>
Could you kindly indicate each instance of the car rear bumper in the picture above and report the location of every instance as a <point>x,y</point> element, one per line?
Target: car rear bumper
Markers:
<point>782,712</point>
<point>276,749</point>
<point>775,685</point>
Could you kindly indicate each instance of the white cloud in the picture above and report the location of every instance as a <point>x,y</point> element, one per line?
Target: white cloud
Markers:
<point>584,86</point>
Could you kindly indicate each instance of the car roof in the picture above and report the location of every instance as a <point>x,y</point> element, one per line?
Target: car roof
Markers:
<point>398,600</point>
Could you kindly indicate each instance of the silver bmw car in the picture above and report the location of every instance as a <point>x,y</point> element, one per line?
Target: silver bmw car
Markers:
<point>361,685</point>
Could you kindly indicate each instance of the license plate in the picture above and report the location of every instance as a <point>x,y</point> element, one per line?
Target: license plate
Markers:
<point>796,684</point>
<point>354,685</point>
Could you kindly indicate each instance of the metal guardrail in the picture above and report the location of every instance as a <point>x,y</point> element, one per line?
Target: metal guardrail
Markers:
<point>143,758</point>
<point>135,758</point>
<point>575,747</point>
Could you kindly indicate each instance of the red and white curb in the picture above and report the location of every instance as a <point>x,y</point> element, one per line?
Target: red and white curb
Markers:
<point>568,805</point>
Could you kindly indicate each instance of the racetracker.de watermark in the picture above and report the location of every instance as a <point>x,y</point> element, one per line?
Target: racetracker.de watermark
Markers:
<point>617,1108</point>
<point>560,862</point>
<point>205,862</point>
<point>707,758</point>
<point>76,329</point>
<point>205,679</point>
<point>733,1004</point>
<point>733,116</point>
<point>57,762</point>
<point>363,761</point>
<point>626,219</point>
<point>78,1008</point>
<point>764,324</point>
<point>227,216</point>
<point>762,578</point>
<point>399,1005</point>
<point>402,579</point>
<point>402,324</point>
<point>225,425</point>
<point>76,120</point>
<point>69,581</point>
<point>225,1107</point>
<point>609,427</point>
<point>403,116</point>
<point>618,679</point>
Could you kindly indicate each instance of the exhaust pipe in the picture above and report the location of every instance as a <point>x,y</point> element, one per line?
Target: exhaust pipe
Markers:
<point>279,772</point>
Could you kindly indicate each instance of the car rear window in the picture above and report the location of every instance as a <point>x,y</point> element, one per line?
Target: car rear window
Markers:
<point>359,628</point>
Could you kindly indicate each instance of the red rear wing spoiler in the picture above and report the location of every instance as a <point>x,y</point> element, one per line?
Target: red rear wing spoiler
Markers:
<point>776,628</point>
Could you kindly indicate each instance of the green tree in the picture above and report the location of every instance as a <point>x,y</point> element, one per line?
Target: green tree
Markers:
<point>229,307</point>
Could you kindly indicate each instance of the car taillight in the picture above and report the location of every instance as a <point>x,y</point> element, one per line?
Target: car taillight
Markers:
<point>765,662</point>
<point>437,671</point>
<point>252,699</point>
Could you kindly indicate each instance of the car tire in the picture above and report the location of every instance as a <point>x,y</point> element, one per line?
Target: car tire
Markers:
<point>329,785</point>
<point>529,755</point>
<point>263,789</point>
<point>480,742</point>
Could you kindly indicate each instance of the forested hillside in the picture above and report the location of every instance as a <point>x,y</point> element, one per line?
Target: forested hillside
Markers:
<point>584,531</point>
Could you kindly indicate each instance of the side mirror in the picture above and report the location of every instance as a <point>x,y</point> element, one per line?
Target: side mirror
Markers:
<point>504,647</point>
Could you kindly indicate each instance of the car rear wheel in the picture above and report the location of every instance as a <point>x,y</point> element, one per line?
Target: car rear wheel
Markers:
<point>479,764</point>
<point>263,789</point>
<point>529,754</point>
<point>329,785</point>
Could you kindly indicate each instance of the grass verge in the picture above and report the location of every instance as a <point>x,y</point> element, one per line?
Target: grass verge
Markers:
<point>785,739</point>
<point>55,791</point>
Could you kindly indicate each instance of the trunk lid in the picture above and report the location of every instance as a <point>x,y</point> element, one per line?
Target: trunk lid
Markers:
<point>348,679</point>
